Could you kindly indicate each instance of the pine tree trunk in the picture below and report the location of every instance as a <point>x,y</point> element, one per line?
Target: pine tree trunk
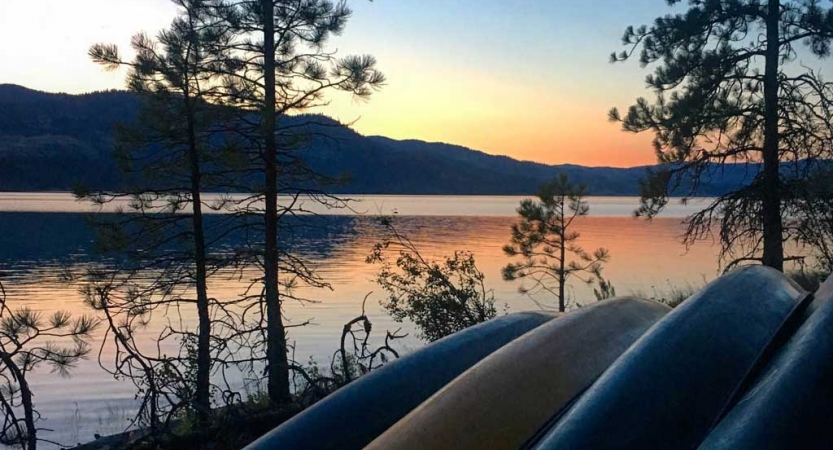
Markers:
<point>561,304</point>
<point>202,402</point>
<point>28,413</point>
<point>773,255</point>
<point>25,401</point>
<point>562,278</point>
<point>278,367</point>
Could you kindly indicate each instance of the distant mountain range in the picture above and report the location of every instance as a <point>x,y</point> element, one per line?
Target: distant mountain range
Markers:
<point>49,142</point>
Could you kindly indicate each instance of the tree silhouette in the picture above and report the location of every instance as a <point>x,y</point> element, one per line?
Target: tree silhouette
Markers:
<point>273,64</point>
<point>728,89</point>
<point>173,153</point>
<point>815,219</point>
<point>27,340</point>
<point>546,240</point>
<point>440,298</point>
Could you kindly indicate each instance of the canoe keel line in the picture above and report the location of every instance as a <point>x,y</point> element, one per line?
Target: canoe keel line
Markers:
<point>745,363</point>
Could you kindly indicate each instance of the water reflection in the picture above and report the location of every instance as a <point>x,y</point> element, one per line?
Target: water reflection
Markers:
<point>36,246</point>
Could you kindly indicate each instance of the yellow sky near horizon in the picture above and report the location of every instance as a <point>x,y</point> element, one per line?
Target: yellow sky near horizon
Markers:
<point>561,125</point>
<point>513,80</point>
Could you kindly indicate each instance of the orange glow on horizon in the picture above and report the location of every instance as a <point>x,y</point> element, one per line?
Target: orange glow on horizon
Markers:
<point>456,105</point>
<point>595,146</point>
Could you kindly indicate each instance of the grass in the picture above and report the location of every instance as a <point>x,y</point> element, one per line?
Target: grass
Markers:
<point>675,294</point>
<point>671,294</point>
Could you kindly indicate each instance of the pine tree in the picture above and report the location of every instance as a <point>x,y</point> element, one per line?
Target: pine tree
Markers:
<point>276,64</point>
<point>171,154</point>
<point>730,88</point>
<point>546,240</point>
<point>28,340</point>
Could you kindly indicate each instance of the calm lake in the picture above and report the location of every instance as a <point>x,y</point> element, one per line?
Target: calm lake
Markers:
<point>41,234</point>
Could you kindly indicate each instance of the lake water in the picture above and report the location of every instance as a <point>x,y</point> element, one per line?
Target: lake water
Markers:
<point>43,233</point>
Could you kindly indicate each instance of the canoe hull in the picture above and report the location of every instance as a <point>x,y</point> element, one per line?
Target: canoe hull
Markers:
<point>508,396</point>
<point>670,387</point>
<point>356,414</point>
<point>790,405</point>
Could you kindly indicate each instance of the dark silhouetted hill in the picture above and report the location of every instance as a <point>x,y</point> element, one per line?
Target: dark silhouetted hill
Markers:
<point>53,141</point>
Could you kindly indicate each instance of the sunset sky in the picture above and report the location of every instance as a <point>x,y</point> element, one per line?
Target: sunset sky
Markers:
<point>529,79</point>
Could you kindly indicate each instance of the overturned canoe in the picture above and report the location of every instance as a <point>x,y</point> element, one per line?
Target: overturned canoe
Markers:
<point>504,399</point>
<point>670,387</point>
<point>356,414</point>
<point>791,404</point>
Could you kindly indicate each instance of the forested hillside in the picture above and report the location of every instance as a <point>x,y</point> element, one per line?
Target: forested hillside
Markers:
<point>72,136</point>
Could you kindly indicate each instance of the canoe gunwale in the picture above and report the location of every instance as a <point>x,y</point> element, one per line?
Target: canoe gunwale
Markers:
<point>787,404</point>
<point>781,336</point>
<point>544,430</point>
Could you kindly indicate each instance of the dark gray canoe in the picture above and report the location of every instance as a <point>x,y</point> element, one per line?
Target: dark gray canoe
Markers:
<point>791,404</point>
<point>504,399</point>
<point>669,388</point>
<point>356,414</point>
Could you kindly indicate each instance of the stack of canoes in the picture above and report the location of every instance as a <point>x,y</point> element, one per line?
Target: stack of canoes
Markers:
<point>745,363</point>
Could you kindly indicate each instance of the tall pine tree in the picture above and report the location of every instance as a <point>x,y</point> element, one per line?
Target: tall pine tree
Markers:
<point>169,154</point>
<point>730,87</point>
<point>276,64</point>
